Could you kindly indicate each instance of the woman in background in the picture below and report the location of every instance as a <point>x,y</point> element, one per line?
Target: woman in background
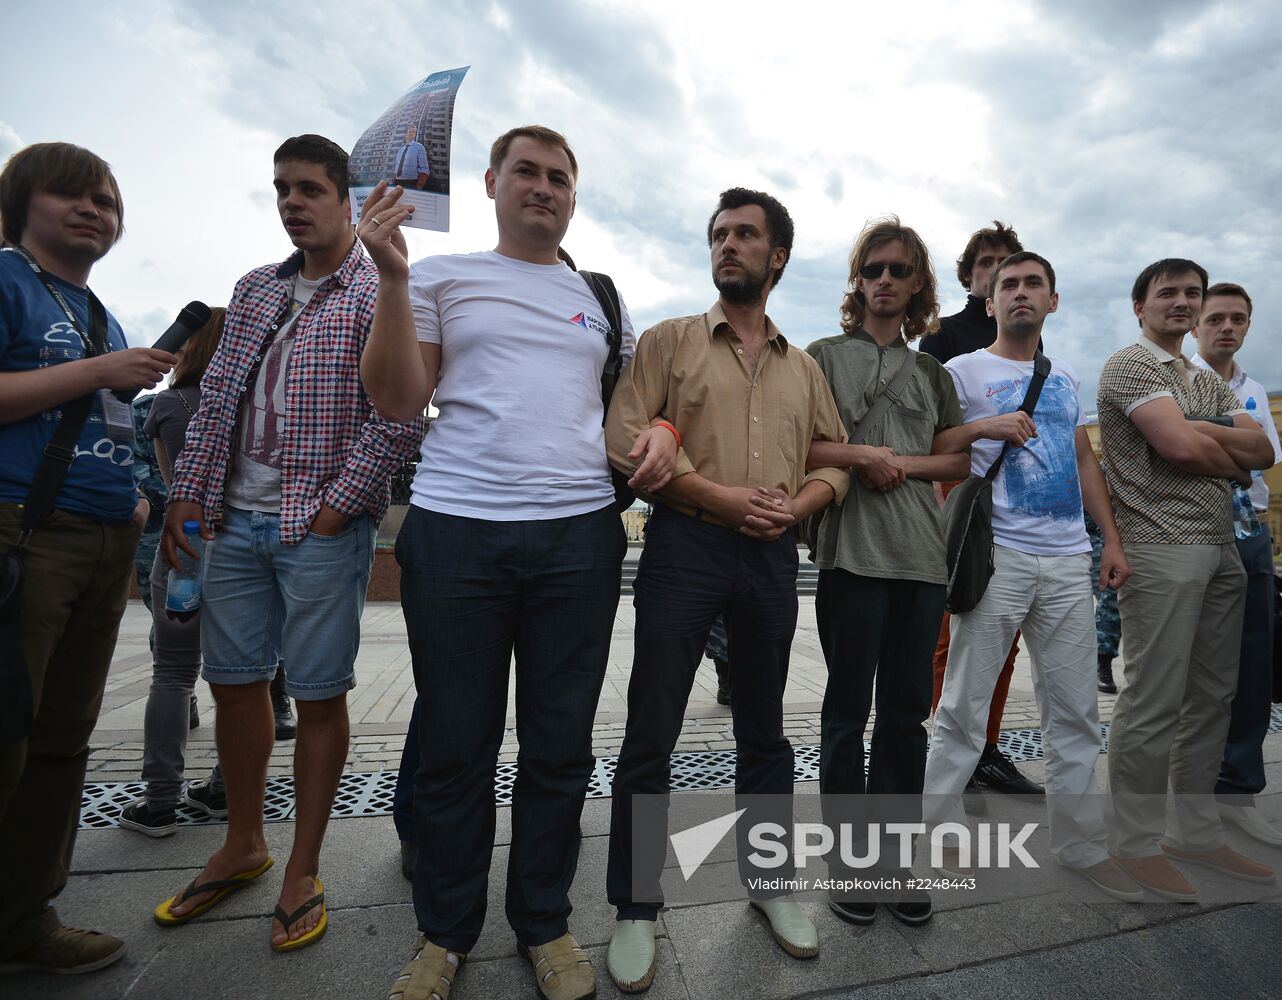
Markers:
<point>176,654</point>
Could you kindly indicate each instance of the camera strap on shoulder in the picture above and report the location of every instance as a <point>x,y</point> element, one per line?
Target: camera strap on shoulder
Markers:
<point>60,452</point>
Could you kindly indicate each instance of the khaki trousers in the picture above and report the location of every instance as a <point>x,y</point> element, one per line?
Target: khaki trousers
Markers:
<point>1181,630</point>
<point>76,587</point>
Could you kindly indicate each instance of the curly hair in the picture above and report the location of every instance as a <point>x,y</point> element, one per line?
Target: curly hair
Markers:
<point>1000,236</point>
<point>922,316</point>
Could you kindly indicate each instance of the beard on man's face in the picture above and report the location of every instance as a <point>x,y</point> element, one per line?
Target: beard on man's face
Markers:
<point>742,289</point>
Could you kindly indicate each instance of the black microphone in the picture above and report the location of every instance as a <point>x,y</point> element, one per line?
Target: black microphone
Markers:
<point>193,316</point>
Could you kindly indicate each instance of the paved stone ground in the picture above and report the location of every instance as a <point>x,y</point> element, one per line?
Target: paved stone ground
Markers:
<point>1055,938</point>
<point>380,704</point>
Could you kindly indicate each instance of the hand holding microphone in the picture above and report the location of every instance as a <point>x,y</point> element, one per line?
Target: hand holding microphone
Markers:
<point>139,368</point>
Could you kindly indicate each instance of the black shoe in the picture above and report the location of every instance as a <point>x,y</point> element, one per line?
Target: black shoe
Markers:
<point>723,681</point>
<point>996,771</point>
<point>200,795</point>
<point>193,715</point>
<point>408,853</point>
<point>139,817</point>
<point>973,798</point>
<point>285,727</point>
<point>910,906</point>
<point>1106,683</point>
<point>853,911</point>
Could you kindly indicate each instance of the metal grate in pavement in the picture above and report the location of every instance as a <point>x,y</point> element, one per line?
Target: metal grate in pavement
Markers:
<point>370,793</point>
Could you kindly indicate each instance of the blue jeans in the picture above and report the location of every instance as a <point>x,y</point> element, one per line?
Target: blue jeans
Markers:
<point>1242,771</point>
<point>262,602</point>
<point>474,592</point>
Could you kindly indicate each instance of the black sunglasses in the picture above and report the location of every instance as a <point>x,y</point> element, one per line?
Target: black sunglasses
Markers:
<point>870,272</point>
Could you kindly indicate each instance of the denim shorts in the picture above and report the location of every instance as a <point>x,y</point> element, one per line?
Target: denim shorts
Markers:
<point>263,602</point>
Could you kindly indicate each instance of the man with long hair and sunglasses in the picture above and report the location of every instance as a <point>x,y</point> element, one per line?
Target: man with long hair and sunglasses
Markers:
<point>882,575</point>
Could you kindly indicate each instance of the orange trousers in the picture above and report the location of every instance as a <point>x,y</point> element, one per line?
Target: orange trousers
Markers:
<point>998,706</point>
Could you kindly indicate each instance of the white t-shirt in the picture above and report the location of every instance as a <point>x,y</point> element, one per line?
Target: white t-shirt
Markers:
<point>523,346</point>
<point>1256,401</point>
<point>254,482</point>
<point>1037,498</point>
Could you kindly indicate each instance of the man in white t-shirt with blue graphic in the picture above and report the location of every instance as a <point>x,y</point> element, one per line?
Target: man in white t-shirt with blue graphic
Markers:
<point>1221,330</point>
<point>512,545</point>
<point>1041,581</point>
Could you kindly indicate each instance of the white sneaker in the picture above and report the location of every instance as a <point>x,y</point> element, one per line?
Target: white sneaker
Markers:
<point>1253,823</point>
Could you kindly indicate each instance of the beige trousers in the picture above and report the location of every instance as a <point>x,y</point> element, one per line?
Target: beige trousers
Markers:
<point>1181,631</point>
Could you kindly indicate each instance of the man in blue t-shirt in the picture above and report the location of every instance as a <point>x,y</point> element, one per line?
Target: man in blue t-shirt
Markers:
<point>61,213</point>
<point>1040,584</point>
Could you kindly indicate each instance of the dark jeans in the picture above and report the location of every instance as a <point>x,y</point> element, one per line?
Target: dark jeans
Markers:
<point>474,592</point>
<point>403,795</point>
<point>872,628</point>
<point>1242,770</point>
<point>690,572</point>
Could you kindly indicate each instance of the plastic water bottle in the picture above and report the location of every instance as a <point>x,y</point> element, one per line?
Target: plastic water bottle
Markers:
<point>182,602</point>
<point>1246,523</point>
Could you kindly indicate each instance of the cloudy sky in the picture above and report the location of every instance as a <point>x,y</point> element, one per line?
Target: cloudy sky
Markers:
<point>1108,134</point>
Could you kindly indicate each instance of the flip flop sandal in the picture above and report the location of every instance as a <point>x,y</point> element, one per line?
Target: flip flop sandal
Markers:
<point>220,888</point>
<point>288,919</point>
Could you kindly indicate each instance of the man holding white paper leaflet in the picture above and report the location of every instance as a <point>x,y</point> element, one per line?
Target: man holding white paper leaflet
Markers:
<point>512,544</point>
<point>286,444</point>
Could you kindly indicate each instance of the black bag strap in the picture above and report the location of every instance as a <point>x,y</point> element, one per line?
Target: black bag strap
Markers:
<point>607,296</point>
<point>1041,369</point>
<point>888,397</point>
<point>60,452</point>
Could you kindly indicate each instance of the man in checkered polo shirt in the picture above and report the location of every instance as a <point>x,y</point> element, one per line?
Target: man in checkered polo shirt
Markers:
<point>288,447</point>
<point>1182,609</point>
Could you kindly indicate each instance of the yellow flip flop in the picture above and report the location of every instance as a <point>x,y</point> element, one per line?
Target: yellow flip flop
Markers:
<point>220,888</point>
<point>287,919</point>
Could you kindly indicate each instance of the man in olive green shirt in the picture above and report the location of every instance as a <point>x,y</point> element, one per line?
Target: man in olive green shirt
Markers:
<point>747,408</point>
<point>882,571</point>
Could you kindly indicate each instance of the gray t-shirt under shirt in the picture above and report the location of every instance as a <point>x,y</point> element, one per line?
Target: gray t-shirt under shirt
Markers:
<point>171,411</point>
<point>254,483</point>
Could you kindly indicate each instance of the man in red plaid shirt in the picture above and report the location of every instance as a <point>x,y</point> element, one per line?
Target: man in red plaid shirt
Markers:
<point>288,448</point>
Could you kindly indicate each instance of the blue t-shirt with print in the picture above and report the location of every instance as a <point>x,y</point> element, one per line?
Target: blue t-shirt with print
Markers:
<point>34,333</point>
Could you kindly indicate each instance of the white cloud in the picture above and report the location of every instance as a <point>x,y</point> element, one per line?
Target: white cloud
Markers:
<point>1109,135</point>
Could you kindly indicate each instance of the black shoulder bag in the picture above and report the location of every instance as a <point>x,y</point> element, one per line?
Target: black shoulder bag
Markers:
<point>968,517</point>
<point>607,296</point>
<point>807,529</point>
<point>16,702</point>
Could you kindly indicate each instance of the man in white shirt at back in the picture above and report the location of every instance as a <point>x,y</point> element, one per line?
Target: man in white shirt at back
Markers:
<point>1221,331</point>
<point>512,544</point>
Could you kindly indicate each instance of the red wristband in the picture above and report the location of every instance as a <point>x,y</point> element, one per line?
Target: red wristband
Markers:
<point>675,433</point>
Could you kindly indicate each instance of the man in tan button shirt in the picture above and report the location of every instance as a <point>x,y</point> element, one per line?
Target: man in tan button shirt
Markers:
<point>746,406</point>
